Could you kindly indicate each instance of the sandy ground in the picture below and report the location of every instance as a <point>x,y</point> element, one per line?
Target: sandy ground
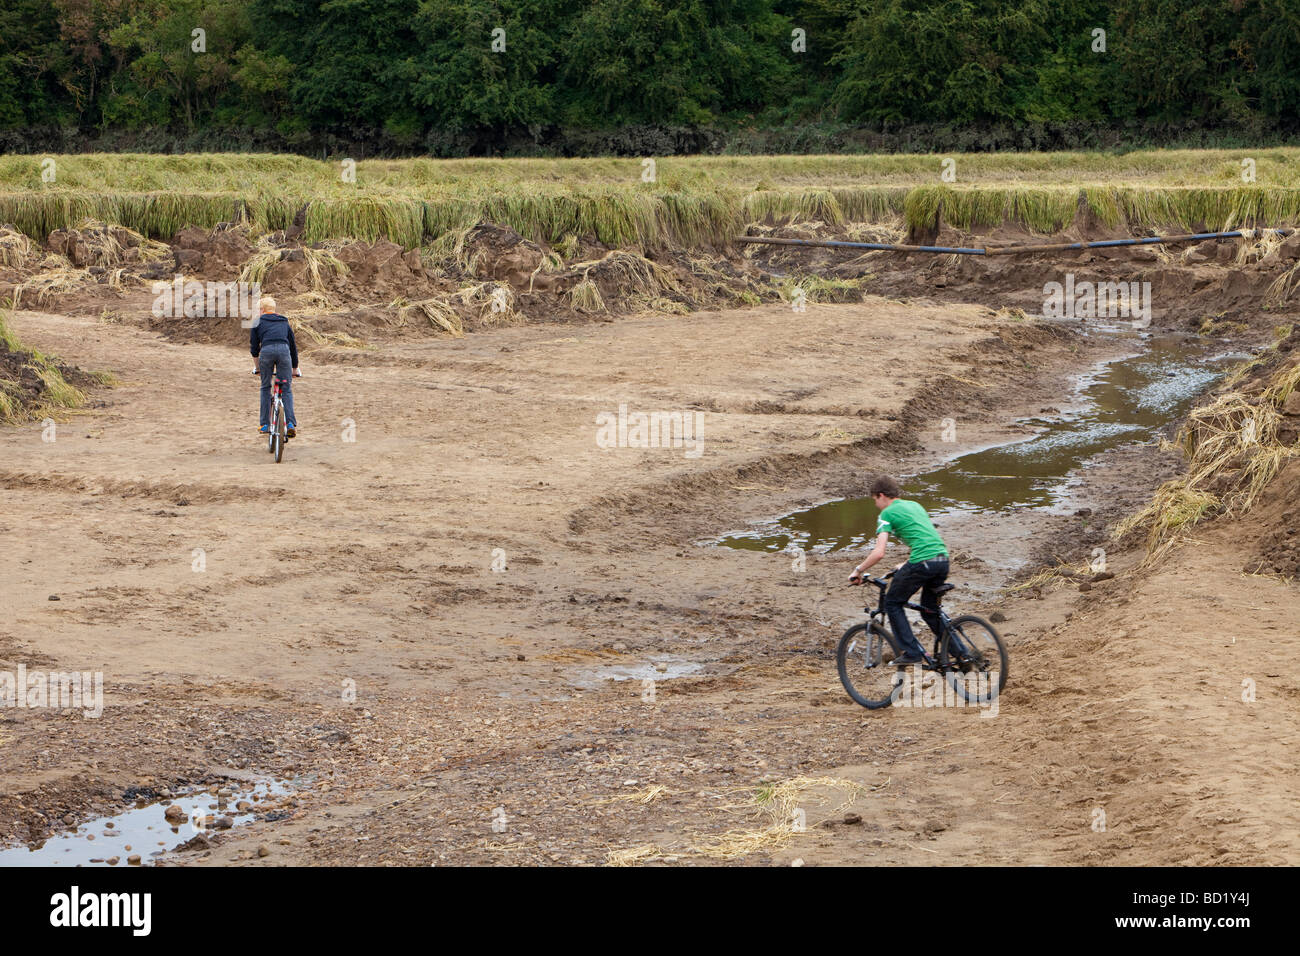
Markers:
<point>368,563</point>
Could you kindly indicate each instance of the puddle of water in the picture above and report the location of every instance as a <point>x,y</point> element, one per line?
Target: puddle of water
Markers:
<point>662,667</point>
<point>144,829</point>
<point>1121,401</point>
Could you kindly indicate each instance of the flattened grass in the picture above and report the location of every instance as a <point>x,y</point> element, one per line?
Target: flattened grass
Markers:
<point>694,201</point>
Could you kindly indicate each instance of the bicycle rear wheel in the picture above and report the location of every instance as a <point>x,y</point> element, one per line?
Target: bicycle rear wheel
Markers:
<point>863,659</point>
<point>977,668</point>
<point>279,433</point>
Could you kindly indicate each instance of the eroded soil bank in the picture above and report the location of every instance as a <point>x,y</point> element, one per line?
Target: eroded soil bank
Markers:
<point>421,621</point>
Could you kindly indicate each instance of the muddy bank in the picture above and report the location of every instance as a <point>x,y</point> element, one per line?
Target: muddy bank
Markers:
<point>345,293</point>
<point>1226,287</point>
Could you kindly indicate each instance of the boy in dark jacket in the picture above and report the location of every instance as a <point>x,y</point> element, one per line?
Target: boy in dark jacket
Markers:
<point>271,342</point>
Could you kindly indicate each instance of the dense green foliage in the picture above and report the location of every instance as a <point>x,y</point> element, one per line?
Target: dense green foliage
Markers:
<point>458,75</point>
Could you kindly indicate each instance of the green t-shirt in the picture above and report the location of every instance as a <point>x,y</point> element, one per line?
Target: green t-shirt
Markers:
<point>908,522</point>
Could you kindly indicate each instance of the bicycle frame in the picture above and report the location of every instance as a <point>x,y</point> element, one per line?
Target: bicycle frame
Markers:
<point>878,616</point>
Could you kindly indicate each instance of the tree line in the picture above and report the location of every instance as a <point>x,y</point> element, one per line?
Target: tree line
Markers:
<point>462,76</point>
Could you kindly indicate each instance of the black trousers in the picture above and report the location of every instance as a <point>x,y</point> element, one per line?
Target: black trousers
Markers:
<point>924,576</point>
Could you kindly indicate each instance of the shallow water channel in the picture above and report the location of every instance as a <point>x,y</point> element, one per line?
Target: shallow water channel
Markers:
<point>144,830</point>
<point>1118,402</point>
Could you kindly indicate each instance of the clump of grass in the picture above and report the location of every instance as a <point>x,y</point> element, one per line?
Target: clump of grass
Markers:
<point>668,306</point>
<point>259,264</point>
<point>60,279</point>
<point>303,328</point>
<point>631,273</point>
<point>15,248</point>
<point>1217,325</point>
<point>1232,451</point>
<point>586,297</point>
<point>320,263</point>
<point>53,392</point>
<point>1260,243</point>
<point>495,302</point>
<point>107,243</point>
<point>1050,578</point>
<point>437,312</point>
<point>1174,506</point>
<point>567,246</point>
<point>1011,314</point>
<point>449,252</point>
<point>1280,289</point>
<point>1283,385</point>
<point>315,301</point>
<point>820,289</point>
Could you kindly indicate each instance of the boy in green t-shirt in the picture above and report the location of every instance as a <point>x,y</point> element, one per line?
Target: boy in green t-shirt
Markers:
<point>925,569</point>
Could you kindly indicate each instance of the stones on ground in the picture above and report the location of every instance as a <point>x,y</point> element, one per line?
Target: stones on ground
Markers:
<point>852,818</point>
<point>997,617</point>
<point>222,823</point>
<point>133,859</point>
<point>263,850</point>
<point>1102,576</point>
<point>174,814</point>
<point>54,597</point>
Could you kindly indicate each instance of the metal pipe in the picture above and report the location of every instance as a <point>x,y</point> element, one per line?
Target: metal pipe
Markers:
<point>1015,250</point>
<point>837,244</point>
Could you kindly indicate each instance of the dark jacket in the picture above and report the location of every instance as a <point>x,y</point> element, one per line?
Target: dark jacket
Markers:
<point>272,328</point>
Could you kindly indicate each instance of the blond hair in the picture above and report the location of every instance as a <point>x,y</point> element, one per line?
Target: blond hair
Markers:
<point>268,304</point>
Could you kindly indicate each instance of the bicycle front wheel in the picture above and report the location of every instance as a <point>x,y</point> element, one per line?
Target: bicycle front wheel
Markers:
<point>864,661</point>
<point>974,659</point>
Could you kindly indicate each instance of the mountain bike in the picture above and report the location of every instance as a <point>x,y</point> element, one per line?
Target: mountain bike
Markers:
<point>279,433</point>
<point>968,654</point>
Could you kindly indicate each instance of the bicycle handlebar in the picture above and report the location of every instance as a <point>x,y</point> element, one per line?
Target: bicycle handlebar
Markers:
<point>881,583</point>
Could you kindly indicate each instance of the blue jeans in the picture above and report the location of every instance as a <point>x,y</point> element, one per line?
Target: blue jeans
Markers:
<point>274,358</point>
<point>925,576</point>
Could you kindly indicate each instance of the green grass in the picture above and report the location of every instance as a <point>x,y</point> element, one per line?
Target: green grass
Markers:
<point>696,200</point>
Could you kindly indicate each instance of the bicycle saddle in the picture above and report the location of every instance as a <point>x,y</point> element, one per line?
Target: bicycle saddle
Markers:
<point>945,588</point>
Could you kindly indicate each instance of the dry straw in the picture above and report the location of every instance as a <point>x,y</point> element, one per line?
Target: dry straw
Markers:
<point>1233,450</point>
<point>437,312</point>
<point>774,808</point>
